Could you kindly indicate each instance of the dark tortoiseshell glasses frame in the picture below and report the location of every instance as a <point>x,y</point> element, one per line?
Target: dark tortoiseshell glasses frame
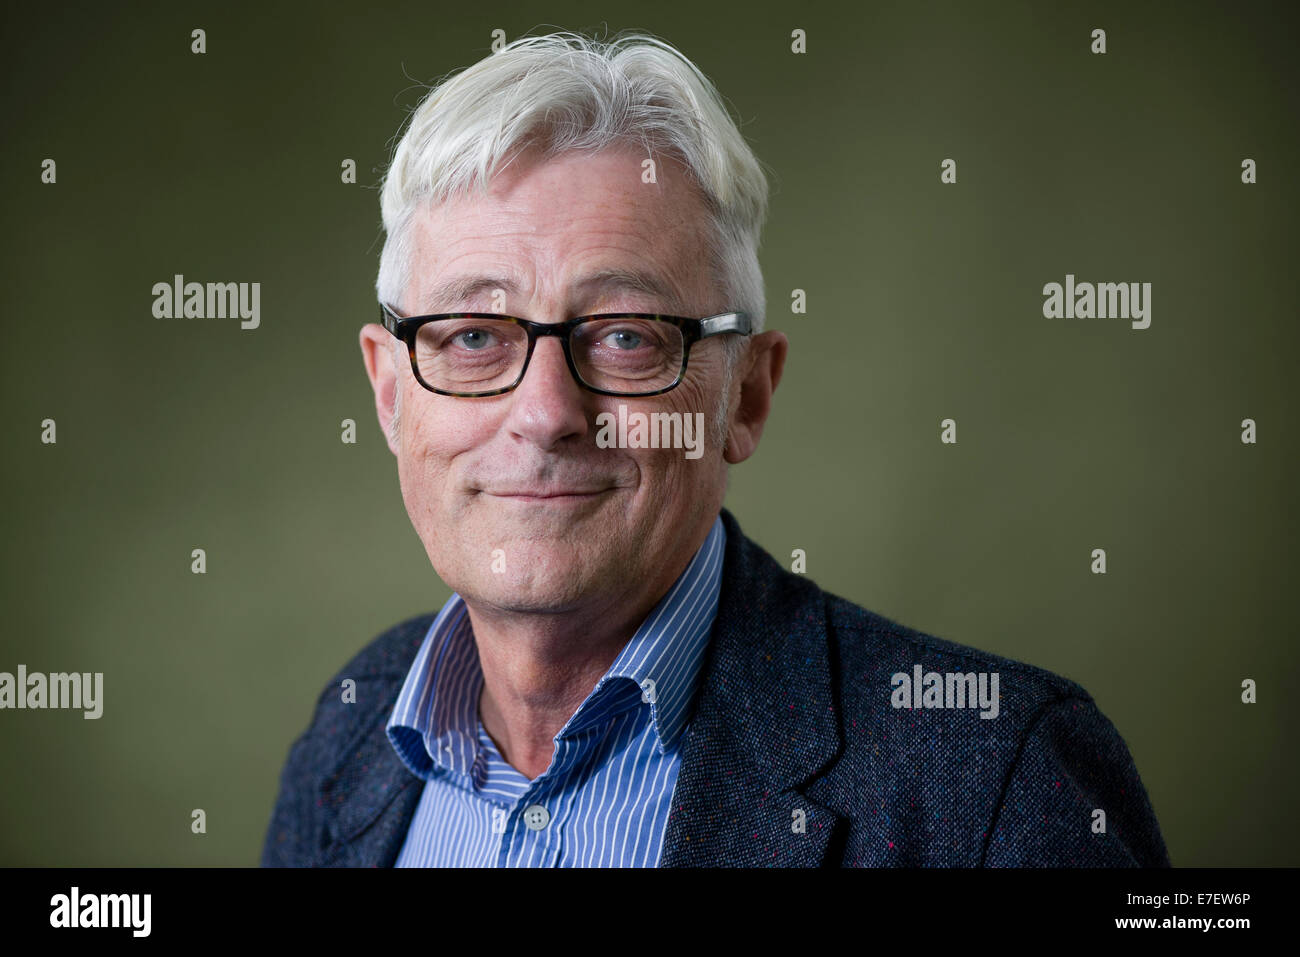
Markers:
<point>693,330</point>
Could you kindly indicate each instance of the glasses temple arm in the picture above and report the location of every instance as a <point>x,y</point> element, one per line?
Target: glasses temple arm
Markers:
<point>727,322</point>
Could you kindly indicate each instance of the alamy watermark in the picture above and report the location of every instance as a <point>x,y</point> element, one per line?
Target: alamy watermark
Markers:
<point>651,430</point>
<point>75,909</point>
<point>56,690</point>
<point>215,300</point>
<point>951,689</point>
<point>1103,300</point>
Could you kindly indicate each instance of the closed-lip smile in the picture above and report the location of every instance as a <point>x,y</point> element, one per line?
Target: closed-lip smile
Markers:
<point>543,494</point>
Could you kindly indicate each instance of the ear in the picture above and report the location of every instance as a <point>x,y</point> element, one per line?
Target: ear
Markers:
<point>376,352</point>
<point>761,367</point>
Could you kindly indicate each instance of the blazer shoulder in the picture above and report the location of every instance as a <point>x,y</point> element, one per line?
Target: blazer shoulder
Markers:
<point>869,643</point>
<point>391,652</point>
<point>866,649</point>
<point>382,665</point>
<point>1027,789</point>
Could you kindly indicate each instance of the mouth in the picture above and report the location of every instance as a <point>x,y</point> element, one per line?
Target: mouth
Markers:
<point>550,496</point>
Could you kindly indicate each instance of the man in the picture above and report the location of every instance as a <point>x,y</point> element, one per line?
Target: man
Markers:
<point>621,677</point>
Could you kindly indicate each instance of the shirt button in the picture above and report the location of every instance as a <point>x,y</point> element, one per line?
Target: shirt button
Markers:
<point>536,817</point>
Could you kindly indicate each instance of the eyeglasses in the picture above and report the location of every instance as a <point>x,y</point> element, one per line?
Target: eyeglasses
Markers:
<point>472,354</point>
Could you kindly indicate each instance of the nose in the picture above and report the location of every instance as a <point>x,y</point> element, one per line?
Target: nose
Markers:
<point>548,406</point>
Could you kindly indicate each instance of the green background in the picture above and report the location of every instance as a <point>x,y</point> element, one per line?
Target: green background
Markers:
<point>924,303</point>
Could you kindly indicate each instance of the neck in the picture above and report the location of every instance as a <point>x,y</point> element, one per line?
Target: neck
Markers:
<point>537,671</point>
<point>539,668</point>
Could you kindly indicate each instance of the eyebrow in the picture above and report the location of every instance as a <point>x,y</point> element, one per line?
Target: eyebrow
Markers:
<point>452,292</point>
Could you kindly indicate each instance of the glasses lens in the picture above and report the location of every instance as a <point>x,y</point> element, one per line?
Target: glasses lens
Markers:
<point>628,355</point>
<point>464,354</point>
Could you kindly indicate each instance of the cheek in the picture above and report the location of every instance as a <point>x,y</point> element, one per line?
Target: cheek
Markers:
<point>702,396</point>
<point>668,475</point>
<point>433,436</point>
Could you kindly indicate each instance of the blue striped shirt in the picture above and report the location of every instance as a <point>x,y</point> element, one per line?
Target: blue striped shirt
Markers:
<point>604,799</point>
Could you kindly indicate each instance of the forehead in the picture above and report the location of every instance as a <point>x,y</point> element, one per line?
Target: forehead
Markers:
<point>574,225</point>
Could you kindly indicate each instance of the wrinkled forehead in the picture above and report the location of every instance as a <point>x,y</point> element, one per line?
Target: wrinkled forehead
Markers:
<point>575,224</point>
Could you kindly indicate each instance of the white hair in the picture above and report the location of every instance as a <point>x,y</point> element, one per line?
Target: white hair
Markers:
<point>563,92</point>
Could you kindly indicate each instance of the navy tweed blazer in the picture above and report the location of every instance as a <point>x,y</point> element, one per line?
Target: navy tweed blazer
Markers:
<point>793,714</point>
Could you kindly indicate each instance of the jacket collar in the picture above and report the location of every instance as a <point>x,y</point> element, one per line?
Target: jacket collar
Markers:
<point>764,725</point>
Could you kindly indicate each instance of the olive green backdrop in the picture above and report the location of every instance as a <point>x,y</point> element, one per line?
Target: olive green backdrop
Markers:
<point>924,303</point>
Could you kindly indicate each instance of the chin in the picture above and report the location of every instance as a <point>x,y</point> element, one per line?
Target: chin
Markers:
<point>529,596</point>
<point>524,571</point>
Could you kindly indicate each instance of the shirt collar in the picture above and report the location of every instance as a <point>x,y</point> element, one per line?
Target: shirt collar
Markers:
<point>435,720</point>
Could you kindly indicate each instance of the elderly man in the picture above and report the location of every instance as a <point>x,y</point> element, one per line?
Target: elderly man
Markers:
<point>570,358</point>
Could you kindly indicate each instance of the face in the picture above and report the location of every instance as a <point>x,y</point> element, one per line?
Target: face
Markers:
<point>519,508</point>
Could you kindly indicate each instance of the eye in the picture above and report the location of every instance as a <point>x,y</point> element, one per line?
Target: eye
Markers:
<point>472,339</point>
<point>624,339</point>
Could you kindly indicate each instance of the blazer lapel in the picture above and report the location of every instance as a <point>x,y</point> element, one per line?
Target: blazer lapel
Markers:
<point>764,725</point>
